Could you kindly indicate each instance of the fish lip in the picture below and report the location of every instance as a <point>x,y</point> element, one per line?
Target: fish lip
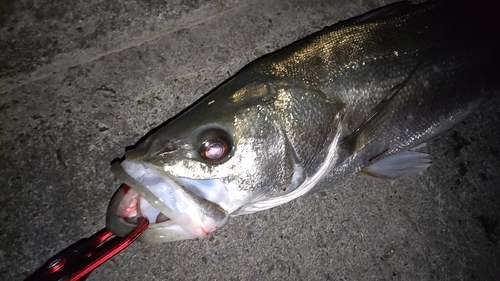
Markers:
<point>179,226</point>
<point>155,233</point>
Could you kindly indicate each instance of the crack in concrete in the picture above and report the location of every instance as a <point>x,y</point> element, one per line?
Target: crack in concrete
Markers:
<point>69,60</point>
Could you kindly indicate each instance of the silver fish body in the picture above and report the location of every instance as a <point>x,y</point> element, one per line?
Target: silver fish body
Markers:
<point>356,97</point>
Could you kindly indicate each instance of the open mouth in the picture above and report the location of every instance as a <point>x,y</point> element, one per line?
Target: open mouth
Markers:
<point>176,208</point>
<point>133,206</point>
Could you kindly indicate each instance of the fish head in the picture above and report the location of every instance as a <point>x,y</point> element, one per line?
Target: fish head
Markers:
<point>188,176</point>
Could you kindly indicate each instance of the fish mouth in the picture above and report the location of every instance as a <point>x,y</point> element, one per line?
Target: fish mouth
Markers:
<point>176,208</point>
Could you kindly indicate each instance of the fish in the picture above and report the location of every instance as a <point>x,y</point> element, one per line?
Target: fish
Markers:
<point>360,97</point>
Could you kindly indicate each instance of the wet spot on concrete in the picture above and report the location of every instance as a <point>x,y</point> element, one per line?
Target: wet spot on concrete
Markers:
<point>495,153</point>
<point>462,169</point>
<point>490,227</point>
<point>270,269</point>
<point>60,157</point>
<point>460,142</point>
<point>482,177</point>
<point>322,194</point>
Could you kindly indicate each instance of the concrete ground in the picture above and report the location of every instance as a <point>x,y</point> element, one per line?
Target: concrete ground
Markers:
<point>81,80</point>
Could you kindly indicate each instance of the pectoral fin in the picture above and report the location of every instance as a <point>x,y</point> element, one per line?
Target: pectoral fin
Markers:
<point>397,165</point>
<point>360,136</point>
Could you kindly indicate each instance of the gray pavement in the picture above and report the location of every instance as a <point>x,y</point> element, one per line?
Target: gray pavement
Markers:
<point>81,80</point>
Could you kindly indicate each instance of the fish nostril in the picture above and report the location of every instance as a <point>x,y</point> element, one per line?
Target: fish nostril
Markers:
<point>168,147</point>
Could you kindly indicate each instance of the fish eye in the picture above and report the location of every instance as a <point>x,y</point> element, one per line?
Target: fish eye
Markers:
<point>215,146</point>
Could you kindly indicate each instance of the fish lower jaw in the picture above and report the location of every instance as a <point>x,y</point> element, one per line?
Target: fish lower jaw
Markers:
<point>125,209</point>
<point>133,206</point>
